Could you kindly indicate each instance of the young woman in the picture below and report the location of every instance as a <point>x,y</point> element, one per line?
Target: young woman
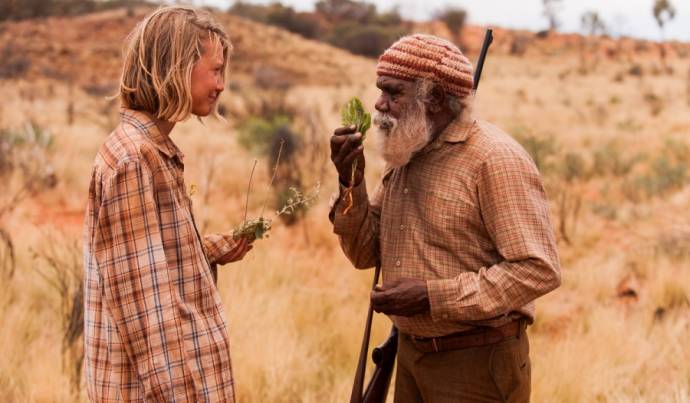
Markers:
<point>154,326</point>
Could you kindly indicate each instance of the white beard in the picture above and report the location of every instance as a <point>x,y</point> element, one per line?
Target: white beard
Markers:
<point>400,139</point>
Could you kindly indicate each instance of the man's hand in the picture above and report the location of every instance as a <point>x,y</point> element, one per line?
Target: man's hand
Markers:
<point>242,246</point>
<point>346,146</point>
<point>402,297</point>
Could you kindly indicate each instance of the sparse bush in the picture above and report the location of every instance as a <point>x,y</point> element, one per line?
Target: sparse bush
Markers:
<point>304,24</point>
<point>365,40</point>
<point>59,262</point>
<point>518,45</point>
<point>24,165</point>
<point>24,171</point>
<point>454,18</point>
<point>292,155</point>
<point>338,11</point>
<point>667,172</point>
<point>270,77</point>
<point>390,18</point>
<point>609,160</point>
<point>13,63</point>
<point>573,167</point>
<point>541,149</point>
<point>674,243</point>
<point>7,257</point>
<point>636,70</point>
<point>19,10</point>
<point>656,103</point>
<point>251,11</point>
<point>572,170</point>
<point>256,134</point>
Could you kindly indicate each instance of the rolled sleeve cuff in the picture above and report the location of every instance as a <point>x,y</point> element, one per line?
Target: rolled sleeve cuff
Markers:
<point>343,224</point>
<point>442,297</point>
<point>218,245</point>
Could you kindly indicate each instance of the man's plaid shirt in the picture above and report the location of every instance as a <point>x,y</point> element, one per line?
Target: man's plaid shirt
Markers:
<point>154,324</point>
<point>469,215</point>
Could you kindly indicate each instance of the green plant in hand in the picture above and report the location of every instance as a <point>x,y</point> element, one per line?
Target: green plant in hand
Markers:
<point>257,228</point>
<point>354,114</point>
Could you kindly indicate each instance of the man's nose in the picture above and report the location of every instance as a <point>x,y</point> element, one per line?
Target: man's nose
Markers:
<point>381,105</point>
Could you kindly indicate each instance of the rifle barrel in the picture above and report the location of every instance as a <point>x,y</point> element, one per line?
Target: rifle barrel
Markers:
<point>488,39</point>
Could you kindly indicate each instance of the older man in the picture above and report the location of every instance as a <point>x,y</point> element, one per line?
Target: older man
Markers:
<point>459,224</point>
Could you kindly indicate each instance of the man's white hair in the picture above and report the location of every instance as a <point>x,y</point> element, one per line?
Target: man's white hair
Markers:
<point>459,106</point>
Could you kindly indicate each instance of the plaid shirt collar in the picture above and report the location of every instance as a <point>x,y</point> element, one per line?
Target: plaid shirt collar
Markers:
<point>457,131</point>
<point>143,122</point>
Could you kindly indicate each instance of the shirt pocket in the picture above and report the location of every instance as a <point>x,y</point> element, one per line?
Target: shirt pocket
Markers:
<point>446,214</point>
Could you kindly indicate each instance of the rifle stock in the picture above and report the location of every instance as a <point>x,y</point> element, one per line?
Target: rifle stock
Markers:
<point>384,358</point>
<point>358,384</point>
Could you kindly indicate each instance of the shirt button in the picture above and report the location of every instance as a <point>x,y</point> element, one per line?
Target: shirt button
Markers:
<point>406,190</point>
<point>402,227</point>
<point>398,263</point>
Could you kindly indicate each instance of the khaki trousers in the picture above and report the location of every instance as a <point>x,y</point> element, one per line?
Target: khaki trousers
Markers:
<point>498,372</point>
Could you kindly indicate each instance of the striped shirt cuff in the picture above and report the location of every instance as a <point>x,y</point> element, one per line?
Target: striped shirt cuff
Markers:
<point>218,245</point>
<point>442,296</point>
<point>345,224</point>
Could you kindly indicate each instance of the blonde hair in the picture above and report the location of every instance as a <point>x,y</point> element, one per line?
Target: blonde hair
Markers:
<point>159,56</point>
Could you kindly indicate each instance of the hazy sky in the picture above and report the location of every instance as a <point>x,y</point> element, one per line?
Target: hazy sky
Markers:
<point>627,17</point>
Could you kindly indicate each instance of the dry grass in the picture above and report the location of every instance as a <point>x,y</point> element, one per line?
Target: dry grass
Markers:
<point>295,307</point>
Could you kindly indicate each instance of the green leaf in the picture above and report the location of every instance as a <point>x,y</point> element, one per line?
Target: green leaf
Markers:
<point>353,113</point>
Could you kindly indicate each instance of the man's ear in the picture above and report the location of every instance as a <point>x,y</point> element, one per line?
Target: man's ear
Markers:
<point>436,99</point>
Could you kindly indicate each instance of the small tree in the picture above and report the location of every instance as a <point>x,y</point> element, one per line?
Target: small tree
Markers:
<point>454,18</point>
<point>592,24</point>
<point>345,10</point>
<point>663,12</point>
<point>551,9</point>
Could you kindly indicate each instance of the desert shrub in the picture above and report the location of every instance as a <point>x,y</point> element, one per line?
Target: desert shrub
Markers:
<point>251,11</point>
<point>19,10</point>
<point>667,172</point>
<point>454,19</point>
<point>519,44</point>
<point>13,64</point>
<point>609,160</point>
<point>675,243</point>
<point>365,40</point>
<point>337,11</point>
<point>636,70</point>
<point>573,167</point>
<point>389,18</point>
<point>256,134</point>
<point>25,170</point>
<point>59,263</point>
<point>270,77</point>
<point>291,157</point>
<point>540,149</point>
<point>304,24</point>
<point>655,103</point>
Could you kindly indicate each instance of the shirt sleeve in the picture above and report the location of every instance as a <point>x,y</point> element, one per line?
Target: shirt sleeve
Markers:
<point>358,230</point>
<point>138,292</point>
<point>514,208</point>
<point>218,245</point>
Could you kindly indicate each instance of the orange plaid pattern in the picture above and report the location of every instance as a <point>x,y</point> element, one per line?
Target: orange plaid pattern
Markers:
<point>469,215</point>
<point>154,324</point>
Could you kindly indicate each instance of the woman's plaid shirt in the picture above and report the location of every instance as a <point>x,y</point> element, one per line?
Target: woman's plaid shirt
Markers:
<point>469,215</point>
<point>154,324</point>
